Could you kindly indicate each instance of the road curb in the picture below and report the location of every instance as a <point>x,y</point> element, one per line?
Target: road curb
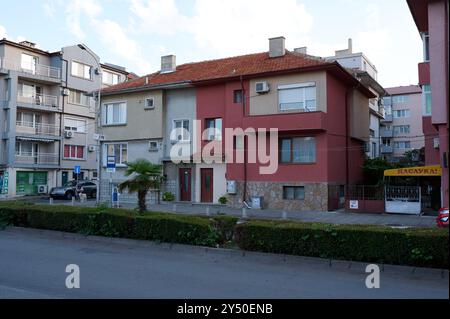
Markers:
<point>343,265</point>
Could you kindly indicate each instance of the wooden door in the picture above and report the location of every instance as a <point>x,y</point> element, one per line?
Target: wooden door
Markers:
<point>185,184</point>
<point>207,190</point>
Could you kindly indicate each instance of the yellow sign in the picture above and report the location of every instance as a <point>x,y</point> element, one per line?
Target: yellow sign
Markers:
<point>434,170</point>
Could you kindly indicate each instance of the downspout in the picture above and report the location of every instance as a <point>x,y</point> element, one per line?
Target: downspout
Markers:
<point>61,116</point>
<point>347,164</point>
<point>244,193</point>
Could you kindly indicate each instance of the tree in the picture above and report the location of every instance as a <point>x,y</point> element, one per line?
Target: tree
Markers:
<point>144,177</point>
<point>374,168</point>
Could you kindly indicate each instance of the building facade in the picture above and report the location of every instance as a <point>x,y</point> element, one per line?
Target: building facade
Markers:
<point>47,117</point>
<point>431,19</point>
<point>319,110</point>
<point>402,129</point>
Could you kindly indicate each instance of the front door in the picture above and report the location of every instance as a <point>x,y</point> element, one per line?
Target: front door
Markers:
<point>65,178</point>
<point>185,184</point>
<point>206,175</point>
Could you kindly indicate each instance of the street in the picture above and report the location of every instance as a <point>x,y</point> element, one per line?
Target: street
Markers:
<point>33,264</point>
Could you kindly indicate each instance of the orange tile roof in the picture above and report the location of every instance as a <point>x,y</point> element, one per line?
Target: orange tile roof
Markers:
<point>245,65</point>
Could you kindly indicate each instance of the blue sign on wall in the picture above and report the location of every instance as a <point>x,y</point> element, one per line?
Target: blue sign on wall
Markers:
<point>77,169</point>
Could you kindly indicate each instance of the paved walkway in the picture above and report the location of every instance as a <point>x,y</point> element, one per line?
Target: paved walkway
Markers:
<point>338,217</point>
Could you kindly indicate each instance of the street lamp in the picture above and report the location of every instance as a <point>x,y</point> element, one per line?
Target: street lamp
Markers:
<point>97,124</point>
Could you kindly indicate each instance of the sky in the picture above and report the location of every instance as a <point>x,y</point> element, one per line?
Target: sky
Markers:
<point>136,33</point>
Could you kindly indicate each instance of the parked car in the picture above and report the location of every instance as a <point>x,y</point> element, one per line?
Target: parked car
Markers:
<point>442,219</point>
<point>73,188</point>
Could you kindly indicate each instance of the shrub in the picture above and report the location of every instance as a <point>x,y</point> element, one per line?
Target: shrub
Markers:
<point>416,247</point>
<point>168,197</point>
<point>223,200</point>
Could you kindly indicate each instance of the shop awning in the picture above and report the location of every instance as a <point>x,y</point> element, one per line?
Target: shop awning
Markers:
<point>32,139</point>
<point>434,170</point>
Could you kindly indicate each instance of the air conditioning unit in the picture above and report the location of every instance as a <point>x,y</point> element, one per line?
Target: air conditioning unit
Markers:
<point>91,148</point>
<point>262,87</point>
<point>68,134</point>
<point>66,92</point>
<point>153,146</point>
<point>42,189</point>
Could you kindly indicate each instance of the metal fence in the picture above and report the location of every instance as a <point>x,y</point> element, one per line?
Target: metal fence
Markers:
<point>364,192</point>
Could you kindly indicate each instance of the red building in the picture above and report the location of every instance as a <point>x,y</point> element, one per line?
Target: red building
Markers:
<point>431,18</point>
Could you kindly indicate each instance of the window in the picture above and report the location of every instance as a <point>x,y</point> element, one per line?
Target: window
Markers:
<point>297,97</point>
<point>399,99</point>
<point>402,145</point>
<point>237,96</point>
<point>298,150</point>
<point>80,98</point>
<point>75,125</point>
<point>426,46</point>
<point>26,149</point>
<point>181,130</point>
<point>81,70</point>
<point>294,192</point>
<point>109,78</point>
<point>401,113</point>
<point>426,99</point>
<point>374,149</point>
<point>119,151</point>
<point>371,133</point>
<point>149,103</point>
<point>401,129</point>
<point>114,113</point>
<point>28,62</point>
<point>74,151</point>
<point>213,129</point>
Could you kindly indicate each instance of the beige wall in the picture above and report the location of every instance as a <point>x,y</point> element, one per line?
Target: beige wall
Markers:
<point>359,116</point>
<point>141,123</point>
<point>261,104</point>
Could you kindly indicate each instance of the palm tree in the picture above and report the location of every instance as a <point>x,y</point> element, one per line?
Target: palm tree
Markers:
<point>144,177</point>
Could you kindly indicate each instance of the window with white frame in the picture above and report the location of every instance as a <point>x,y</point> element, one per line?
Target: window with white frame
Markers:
<point>399,99</point>
<point>75,125</point>
<point>401,129</point>
<point>181,130</point>
<point>426,99</point>
<point>118,150</point>
<point>297,97</point>
<point>28,62</point>
<point>81,70</point>
<point>74,151</point>
<point>110,78</point>
<point>114,113</point>
<point>426,46</point>
<point>401,113</point>
<point>402,145</point>
<point>26,149</point>
<point>149,103</point>
<point>213,129</point>
<point>81,98</point>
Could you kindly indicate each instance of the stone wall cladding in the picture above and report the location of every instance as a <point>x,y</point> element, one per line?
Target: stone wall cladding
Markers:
<point>316,196</point>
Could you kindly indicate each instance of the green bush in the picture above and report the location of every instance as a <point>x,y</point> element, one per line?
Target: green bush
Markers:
<point>168,197</point>
<point>416,247</point>
<point>110,222</point>
<point>223,200</point>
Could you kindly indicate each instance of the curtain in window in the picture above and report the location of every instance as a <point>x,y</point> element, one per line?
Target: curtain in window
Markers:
<point>291,99</point>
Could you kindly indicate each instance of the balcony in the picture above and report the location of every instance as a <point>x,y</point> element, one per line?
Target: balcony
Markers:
<point>39,102</point>
<point>299,121</point>
<point>387,118</point>
<point>386,149</point>
<point>386,133</point>
<point>424,73</point>
<point>33,128</point>
<point>37,159</point>
<point>34,71</point>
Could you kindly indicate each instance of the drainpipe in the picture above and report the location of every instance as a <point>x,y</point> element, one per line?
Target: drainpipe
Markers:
<point>244,193</point>
<point>61,116</point>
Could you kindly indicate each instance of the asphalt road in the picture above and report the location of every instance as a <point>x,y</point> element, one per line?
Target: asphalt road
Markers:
<point>33,264</point>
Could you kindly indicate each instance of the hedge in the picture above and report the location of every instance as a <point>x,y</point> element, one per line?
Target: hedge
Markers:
<point>109,222</point>
<point>378,244</point>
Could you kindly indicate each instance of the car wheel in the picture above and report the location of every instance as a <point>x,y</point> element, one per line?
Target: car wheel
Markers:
<point>69,195</point>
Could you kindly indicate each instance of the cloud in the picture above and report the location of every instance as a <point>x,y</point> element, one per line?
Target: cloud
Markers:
<point>75,10</point>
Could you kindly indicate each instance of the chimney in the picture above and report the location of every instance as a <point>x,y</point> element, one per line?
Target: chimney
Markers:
<point>28,44</point>
<point>301,50</point>
<point>350,45</point>
<point>168,64</point>
<point>276,47</point>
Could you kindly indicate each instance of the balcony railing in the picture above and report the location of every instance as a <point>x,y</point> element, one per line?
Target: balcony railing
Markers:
<point>386,149</point>
<point>387,118</point>
<point>386,133</point>
<point>37,158</point>
<point>37,128</point>
<point>38,99</point>
<point>33,68</point>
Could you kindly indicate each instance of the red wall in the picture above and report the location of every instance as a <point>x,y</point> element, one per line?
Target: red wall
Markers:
<point>328,129</point>
<point>431,153</point>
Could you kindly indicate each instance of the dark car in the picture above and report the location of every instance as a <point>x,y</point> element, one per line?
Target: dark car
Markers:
<point>73,188</point>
